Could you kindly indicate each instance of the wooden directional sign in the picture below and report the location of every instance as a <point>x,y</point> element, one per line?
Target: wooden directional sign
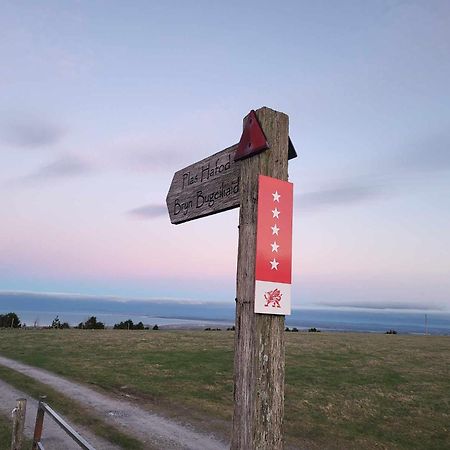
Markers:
<point>205,187</point>
<point>212,184</point>
<point>226,180</point>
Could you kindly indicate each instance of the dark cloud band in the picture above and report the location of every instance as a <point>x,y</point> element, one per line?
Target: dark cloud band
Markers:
<point>30,133</point>
<point>63,167</point>
<point>337,194</point>
<point>148,211</point>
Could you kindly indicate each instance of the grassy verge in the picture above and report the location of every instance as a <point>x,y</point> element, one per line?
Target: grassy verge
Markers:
<point>5,434</point>
<point>72,410</point>
<point>342,390</point>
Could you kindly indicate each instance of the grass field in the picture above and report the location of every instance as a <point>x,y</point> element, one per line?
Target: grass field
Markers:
<point>344,391</point>
<point>5,434</point>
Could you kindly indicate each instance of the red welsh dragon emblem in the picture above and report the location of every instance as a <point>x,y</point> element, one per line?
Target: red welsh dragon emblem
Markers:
<point>273,298</point>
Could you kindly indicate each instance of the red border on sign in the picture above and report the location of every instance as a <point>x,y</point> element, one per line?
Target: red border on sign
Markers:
<point>274,230</point>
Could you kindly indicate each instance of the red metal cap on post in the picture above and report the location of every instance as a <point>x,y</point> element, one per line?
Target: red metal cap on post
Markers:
<point>253,140</point>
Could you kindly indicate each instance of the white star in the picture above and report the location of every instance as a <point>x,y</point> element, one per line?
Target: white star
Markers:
<point>275,230</point>
<point>274,264</point>
<point>276,197</point>
<point>274,246</point>
<point>275,213</point>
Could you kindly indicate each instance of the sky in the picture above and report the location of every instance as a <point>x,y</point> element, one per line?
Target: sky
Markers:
<point>102,101</point>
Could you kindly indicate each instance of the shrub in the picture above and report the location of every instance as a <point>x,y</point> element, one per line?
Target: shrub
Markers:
<point>129,325</point>
<point>91,324</point>
<point>10,320</point>
<point>313,330</point>
<point>58,325</point>
<point>391,332</point>
<point>155,327</point>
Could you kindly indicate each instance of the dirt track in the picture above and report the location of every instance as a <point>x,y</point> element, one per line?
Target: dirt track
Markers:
<point>152,429</point>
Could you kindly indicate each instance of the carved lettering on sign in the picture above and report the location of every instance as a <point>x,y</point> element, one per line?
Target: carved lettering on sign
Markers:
<point>204,188</point>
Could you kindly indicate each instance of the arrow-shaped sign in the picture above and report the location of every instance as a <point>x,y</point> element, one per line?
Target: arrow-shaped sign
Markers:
<point>205,187</point>
<point>211,185</point>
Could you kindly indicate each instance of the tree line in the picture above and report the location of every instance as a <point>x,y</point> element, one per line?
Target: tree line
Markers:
<point>12,320</point>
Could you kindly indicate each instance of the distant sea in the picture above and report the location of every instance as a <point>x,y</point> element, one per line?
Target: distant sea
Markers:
<point>41,309</point>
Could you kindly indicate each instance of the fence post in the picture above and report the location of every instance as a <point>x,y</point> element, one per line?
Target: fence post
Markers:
<point>18,414</point>
<point>39,423</point>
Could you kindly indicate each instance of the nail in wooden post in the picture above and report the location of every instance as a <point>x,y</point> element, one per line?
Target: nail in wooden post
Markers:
<point>18,424</point>
<point>259,338</point>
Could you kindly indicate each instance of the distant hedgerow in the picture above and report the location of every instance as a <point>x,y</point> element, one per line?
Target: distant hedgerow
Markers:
<point>129,325</point>
<point>91,324</point>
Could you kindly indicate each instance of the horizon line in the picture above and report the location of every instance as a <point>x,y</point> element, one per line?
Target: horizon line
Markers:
<point>192,301</point>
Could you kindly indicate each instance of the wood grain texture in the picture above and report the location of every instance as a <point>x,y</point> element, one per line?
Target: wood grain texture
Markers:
<point>205,187</point>
<point>19,414</point>
<point>259,338</point>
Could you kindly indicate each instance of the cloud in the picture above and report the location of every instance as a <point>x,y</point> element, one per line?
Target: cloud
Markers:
<point>424,157</point>
<point>30,132</point>
<point>149,211</point>
<point>340,193</point>
<point>36,296</point>
<point>64,167</point>
<point>428,155</point>
<point>154,158</point>
<point>143,153</point>
<point>380,305</point>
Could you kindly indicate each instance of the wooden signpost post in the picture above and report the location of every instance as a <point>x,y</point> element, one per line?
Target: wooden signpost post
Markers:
<point>226,180</point>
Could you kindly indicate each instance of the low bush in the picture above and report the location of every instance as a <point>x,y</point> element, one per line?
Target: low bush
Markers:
<point>91,324</point>
<point>129,325</point>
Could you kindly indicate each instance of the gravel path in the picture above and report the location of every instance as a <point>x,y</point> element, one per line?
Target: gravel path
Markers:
<point>53,437</point>
<point>152,429</point>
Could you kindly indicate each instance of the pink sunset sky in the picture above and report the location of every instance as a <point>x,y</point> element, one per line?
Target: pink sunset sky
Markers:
<point>101,102</point>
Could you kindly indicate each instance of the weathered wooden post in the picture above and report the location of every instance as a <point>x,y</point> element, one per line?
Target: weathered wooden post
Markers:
<point>226,180</point>
<point>18,414</point>
<point>259,338</point>
<point>39,423</point>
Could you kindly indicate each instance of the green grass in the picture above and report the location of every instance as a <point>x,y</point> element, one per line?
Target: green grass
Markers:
<point>6,432</point>
<point>377,390</point>
<point>72,410</point>
<point>342,390</point>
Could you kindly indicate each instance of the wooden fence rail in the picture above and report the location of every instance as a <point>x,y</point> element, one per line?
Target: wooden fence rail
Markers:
<point>44,408</point>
